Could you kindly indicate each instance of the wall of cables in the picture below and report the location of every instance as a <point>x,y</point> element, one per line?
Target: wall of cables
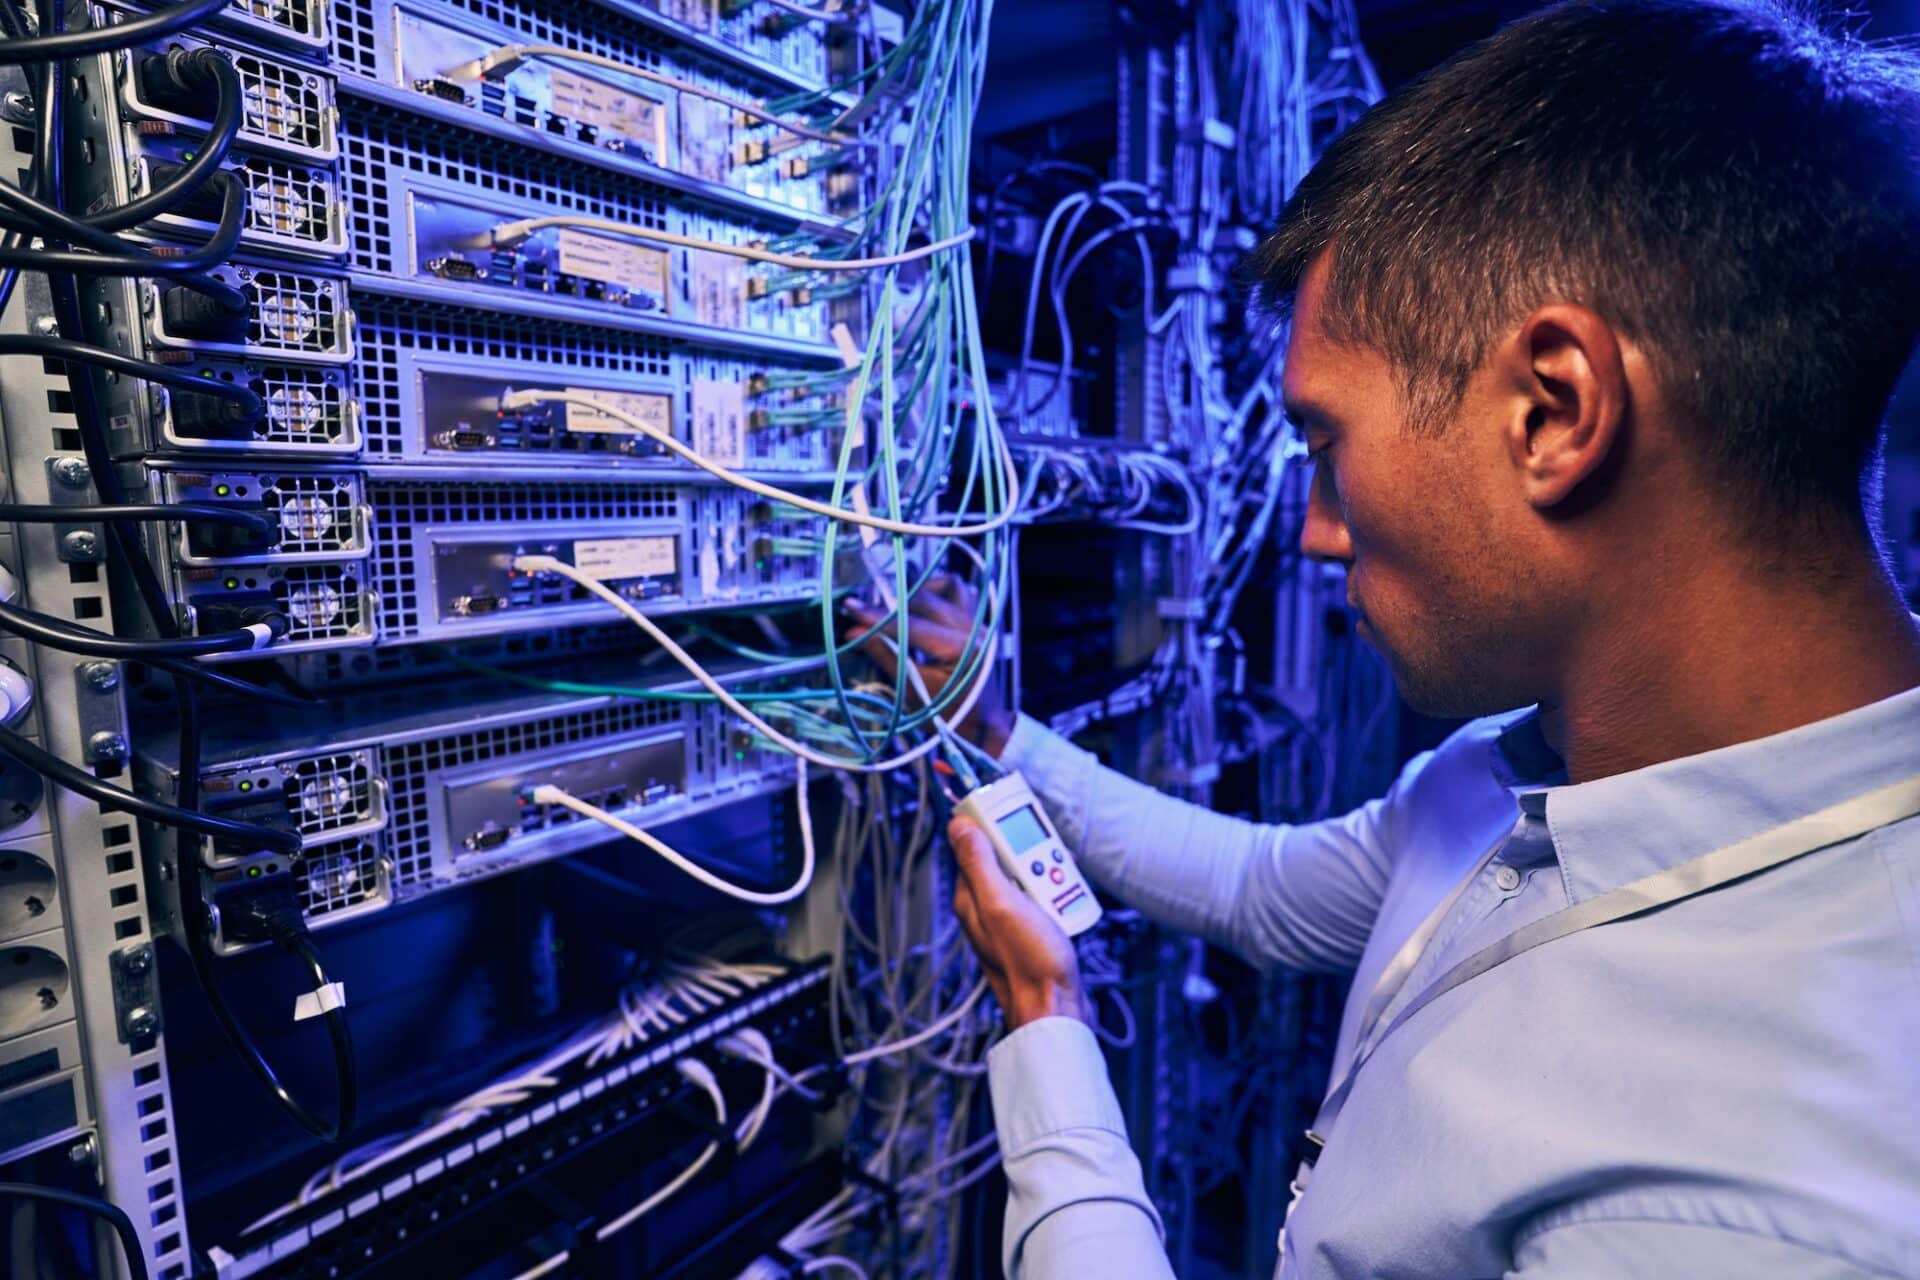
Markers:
<point>448,822</point>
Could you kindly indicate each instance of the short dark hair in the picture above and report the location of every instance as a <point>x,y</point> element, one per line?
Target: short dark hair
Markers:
<point>1731,185</point>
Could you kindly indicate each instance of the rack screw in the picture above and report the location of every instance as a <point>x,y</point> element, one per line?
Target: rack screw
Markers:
<point>141,1022</point>
<point>107,745</point>
<point>100,675</point>
<point>138,960</point>
<point>72,472</point>
<point>80,544</point>
<point>81,1152</point>
<point>16,107</point>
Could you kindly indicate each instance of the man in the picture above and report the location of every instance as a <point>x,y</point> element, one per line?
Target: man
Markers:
<point>1593,331</point>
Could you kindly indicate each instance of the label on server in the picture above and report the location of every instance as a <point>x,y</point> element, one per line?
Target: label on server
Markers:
<point>608,559</point>
<point>720,421</point>
<point>719,289</point>
<point>706,137</point>
<point>633,116</point>
<point>613,261</point>
<point>697,14</point>
<point>652,408</point>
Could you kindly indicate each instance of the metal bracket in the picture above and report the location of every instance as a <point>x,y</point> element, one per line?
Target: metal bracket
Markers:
<point>96,699</point>
<point>136,992</point>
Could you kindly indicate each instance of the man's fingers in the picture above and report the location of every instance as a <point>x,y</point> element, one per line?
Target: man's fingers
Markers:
<point>937,607</point>
<point>939,642</point>
<point>875,644</point>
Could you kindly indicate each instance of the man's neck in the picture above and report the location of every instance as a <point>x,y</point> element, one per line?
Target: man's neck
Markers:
<point>1738,661</point>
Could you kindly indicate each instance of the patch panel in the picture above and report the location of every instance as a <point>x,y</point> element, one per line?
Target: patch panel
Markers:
<point>574,1138</point>
<point>444,553</point>
<point>385,790</point>
<point>288,108</point>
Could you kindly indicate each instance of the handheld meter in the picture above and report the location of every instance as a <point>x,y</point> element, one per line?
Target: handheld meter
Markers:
<point>1031,852</point>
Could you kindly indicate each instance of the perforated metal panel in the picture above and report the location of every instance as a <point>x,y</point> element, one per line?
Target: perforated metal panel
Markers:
<point>405,507</point>
<point>381,142</point>
<point>332,879</point>
<point>408,766</point>
<point>387,329</point>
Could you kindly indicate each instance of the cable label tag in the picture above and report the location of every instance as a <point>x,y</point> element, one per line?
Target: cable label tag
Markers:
<point>719,288</point>
<point>610,559</point>
<point>320,1000</point>
<point>720,422</point>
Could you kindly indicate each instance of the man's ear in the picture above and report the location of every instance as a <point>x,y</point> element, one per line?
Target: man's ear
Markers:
<point>1569,404</point>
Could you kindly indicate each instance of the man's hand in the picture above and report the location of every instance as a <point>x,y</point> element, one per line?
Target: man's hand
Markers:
<point>1028,959</point>
<point>939,620</point>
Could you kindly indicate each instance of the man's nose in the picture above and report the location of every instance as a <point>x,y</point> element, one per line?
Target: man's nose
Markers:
<point>1324,535</point>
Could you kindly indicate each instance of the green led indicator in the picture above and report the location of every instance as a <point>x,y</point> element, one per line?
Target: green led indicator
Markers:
<point>246,786</point>
<point>221,491</point>
<point>253,873</point>
<point>231,583</point>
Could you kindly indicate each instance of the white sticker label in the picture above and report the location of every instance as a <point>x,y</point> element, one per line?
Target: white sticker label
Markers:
<point>652,408</point>
<point>615,558</point>
<point>697,14</point>
<point>719,290</point>
<point>633,116</point>
<point>706,137</point>
<point>613,262</point>
<point>720,421</point>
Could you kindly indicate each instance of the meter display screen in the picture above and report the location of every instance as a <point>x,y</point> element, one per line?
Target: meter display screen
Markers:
<point>1023,829</point>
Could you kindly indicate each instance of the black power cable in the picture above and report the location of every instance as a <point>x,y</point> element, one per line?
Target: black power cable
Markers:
<point>41,629</point>
<point>183,512</point>
<point>288,929</point>
<point>58,44</point>
<point>116,1216</point>
<point>119,800</point>
<point>247,405</point>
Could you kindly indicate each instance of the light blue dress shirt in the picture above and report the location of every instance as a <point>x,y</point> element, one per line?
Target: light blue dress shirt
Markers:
<point>1725,1087</point>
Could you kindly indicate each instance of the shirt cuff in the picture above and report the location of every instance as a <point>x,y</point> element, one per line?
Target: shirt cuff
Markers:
<point>1049,1077</point>
<point>1030,744</point>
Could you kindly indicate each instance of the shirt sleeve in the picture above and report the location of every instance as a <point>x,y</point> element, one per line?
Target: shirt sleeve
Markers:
<point>1633,1248</point>
<point>1298,897</point>
<point>1076,1203</point>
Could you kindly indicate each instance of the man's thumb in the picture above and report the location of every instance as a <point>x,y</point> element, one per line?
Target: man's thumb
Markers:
<point>973,851</point>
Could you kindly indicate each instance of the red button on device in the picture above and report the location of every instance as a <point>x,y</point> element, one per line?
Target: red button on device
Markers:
<point>1057,875</point>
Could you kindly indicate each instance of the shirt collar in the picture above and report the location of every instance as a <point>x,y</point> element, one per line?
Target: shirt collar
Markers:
<point>1615,830</point>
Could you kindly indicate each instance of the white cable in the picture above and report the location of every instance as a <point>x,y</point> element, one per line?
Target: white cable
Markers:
<point>698,1073</point>
<point>508,57</point>
<point>549,794</point>
<point>509,234</point>
<point>923,1035</point>
<point>525,399</point>
<point>831,1261</point>
<point>547,564</point>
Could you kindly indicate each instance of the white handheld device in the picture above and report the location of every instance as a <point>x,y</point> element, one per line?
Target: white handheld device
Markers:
<point>1031,852</point>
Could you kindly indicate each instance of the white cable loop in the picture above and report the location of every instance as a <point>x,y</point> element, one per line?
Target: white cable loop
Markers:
<point>509,234</point>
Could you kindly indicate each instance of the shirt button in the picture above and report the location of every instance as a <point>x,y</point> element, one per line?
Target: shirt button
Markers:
<point>1507,878</point>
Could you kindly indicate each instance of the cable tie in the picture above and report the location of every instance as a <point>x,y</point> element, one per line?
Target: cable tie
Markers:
<point>319,1001</point>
